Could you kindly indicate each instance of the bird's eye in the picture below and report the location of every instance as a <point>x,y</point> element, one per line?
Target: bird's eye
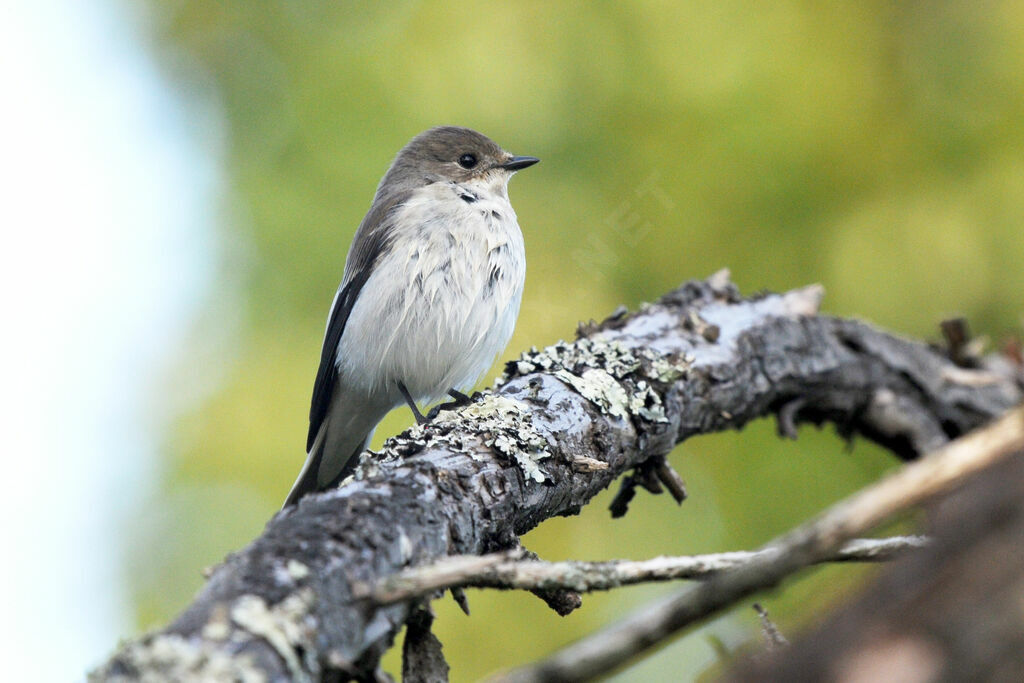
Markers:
<point>467,160</point>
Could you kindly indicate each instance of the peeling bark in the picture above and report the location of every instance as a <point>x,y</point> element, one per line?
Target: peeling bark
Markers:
<point>702,359</point>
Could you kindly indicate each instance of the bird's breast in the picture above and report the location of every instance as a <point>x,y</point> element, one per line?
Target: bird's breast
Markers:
<point>443,301</point>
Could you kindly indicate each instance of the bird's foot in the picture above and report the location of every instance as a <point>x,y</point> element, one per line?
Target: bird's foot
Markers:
<point>459,399</point>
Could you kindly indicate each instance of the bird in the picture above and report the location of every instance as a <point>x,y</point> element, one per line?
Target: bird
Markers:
<point>429,297</point>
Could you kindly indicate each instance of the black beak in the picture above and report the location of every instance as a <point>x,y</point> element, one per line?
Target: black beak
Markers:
<point>519,163</point>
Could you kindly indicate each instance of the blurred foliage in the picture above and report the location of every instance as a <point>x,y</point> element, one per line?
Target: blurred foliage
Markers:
<point>874,147</point>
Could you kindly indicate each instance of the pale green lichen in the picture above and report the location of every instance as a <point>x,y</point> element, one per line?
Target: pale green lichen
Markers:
<point>646,403</point>
<point>613,377</point>
<point>171,657</point>
<point>601,388</point>
<point>284,626</point>
<point>502,422</point>
<point>218,626</point>
<point>510,431</point>
<point>296,570</point>
<point>665,370</point>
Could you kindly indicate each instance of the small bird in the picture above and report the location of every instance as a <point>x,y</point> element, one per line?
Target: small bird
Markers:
<point>430,295</point>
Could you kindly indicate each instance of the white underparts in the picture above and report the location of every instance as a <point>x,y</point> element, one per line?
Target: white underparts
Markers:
<point>443,302</point>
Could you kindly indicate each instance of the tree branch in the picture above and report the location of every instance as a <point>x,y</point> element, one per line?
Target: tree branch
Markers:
<point>507,570</point>
<point>702,359</point>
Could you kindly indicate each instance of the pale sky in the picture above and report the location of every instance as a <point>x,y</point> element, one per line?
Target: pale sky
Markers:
<point>109,180</point>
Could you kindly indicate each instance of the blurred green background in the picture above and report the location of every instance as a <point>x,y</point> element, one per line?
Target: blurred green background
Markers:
<point>873,147</point>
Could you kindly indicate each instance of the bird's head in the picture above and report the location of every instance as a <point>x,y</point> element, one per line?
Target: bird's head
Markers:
<point>459,155</point>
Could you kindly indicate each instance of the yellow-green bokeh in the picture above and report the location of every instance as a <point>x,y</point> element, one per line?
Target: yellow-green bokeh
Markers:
<point>875,147</point>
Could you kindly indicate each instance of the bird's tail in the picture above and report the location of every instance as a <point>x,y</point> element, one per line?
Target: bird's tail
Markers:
<point>310,477</point>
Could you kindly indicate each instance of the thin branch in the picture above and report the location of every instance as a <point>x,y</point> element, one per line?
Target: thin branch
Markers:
<point>937,473</point>
<point>507,570</point>
<point>772,635</point>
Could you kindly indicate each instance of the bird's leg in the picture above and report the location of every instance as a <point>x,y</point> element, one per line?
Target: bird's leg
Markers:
<point>420,419</point>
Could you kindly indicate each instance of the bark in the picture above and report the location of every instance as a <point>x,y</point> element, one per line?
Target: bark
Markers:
<point>564,423</point>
